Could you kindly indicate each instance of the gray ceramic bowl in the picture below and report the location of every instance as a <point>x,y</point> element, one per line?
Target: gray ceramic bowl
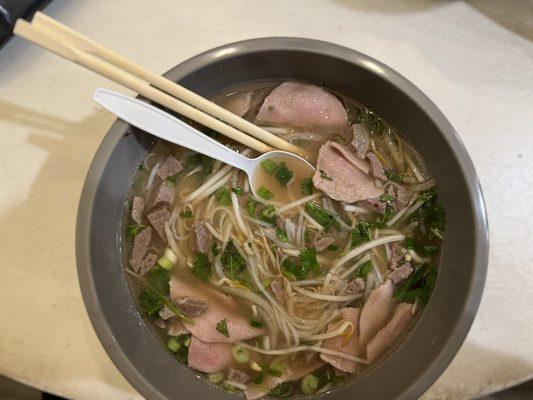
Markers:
<point>444,323</point>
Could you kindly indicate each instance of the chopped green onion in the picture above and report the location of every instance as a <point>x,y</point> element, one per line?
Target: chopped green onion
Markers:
<point>269,166</point>
<point>309,384</point>
<point>222,327</point>
<point>168,260</point>
<point>240,354</point>
<point>134,230</point>
<point>173,345</point>
<point>228,387</point>
<point>276,368</point>
<point>306,185</point>
<point>283,174</point>
<point>250,206</point>
<point>264,193</point>
<point>259,378</point>
<point>269,214</point>
<point>216,377</point>
<point>186,213</point>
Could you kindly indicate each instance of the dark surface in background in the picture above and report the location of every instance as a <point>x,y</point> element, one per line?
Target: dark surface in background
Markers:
<point>10,10</point>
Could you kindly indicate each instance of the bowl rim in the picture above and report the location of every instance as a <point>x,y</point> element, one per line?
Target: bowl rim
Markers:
<point>83,227</point>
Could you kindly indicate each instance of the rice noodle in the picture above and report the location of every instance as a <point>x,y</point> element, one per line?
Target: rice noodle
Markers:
<point>326,297</point>
<point>365,247</point>
<point>298,202</point>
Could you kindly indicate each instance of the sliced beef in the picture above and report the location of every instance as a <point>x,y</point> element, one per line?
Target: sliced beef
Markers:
<point>355,286</point>
<point>175,327</point>
<point>148,263</point>
<point>169,167</point>
<point>340,178</point>
<point>164,195</point>
<point>398,254</point>
<point>157,218</point>
<point>165,313</point>
<point>221,306</point>
<point>295,370</point>
<point>277,288</point>
<point>137,209</point>
<point>390,334</point>
<point>141,243</point>
<point>191,306</point>
<point>302,106</point>
<point>323,243</point>
<point>340,343</point>
<point>376,169</point>
<point>238,103</point>
<point>376,311</point>
<point>238,375</point>
<point>361,140</point>
<point>401,273</point>
<point>209,357</point>
<point>201,238</point>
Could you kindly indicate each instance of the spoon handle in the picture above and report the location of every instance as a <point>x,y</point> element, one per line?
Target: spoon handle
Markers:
<point>165,126</point>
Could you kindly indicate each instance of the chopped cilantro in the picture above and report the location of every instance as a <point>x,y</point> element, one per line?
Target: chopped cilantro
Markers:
<point>281,235</point>
<point>332,247</point>
<point>237,191</point>
<point>264,193</point>
<point>259,378</point>
<point>223,197</point>
<point>387,198</point>
<point>170,181</point>
<point>393,176</point>
<point>201,267</point>
<point>199,160</point>
<point>309,261</point>
<point>285,389</point>
<point>234,265</point>
<point>256,323</point>
<point>222,327</point>
<point>283,174</point>
<point>321,215</point>
<point>215,250</point>
<point>307,186</point>
<point>186,213</point>
<point>360,234</point>
<point>418,286</point>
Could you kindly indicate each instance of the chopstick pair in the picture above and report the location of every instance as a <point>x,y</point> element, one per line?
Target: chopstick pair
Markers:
<point>71,45</point>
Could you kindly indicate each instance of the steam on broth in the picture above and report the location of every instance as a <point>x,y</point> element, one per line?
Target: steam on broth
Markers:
<point>309,282</point>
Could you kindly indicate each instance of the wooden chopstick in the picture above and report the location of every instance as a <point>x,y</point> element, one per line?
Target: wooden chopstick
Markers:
<point>55,44</point>
<point>87,45</point>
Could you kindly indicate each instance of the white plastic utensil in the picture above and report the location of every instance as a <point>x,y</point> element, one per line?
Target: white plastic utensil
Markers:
<point>167,127</point>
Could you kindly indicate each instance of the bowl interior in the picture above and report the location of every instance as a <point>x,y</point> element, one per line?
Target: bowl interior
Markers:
<point>443,325</point>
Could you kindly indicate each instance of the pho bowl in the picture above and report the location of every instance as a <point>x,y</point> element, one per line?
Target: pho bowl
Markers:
<point>440,330</point>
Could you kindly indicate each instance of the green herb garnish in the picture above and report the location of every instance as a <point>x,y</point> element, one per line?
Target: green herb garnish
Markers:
<point>197,159</point>
<point>222,327</point>
<point>321,215</point>
<point>386,198</point>
<point>264,193</point>
<point>134,230</point>
<point>237,191</point>
<point>360,234</point>
<point>281,235</point>
<point>170,181</point>
<point>269,166</point>
<point>284,389</point>
<point>309,262</point>
<point>223,197</point>
<point>250,206</point>
<point>284,174</point>
<point>201,267</point>
<point>186,213</point>
<point>365,269</point>
<point>269,214</point>
<point>332,247</point>
<point>393,176</point>
<point>418,286</point>
<point>214,249</point>
<point>306,185</point>
<point>256,323</point>
<point>234,265</point>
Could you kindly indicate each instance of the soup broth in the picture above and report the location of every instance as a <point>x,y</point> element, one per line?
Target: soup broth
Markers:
<point>301,286</point>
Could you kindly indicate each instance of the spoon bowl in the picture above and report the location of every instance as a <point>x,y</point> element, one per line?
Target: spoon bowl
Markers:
<point>167,127</point>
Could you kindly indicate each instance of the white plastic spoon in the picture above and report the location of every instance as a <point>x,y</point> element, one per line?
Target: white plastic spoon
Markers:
<point>167,127</point>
